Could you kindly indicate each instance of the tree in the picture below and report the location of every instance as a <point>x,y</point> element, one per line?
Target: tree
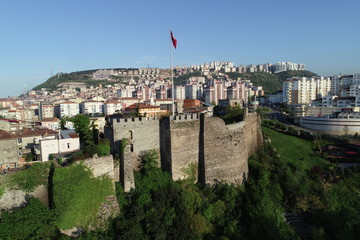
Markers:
<point>233,114</point>
<point>103,147</point>
<point>95,132</point>
<point>137,111</point>
<point>62,123</point>
<point>82,127</point>
<point>35,221</point>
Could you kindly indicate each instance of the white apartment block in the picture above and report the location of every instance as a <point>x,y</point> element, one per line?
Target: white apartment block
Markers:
<point>194,91</point>
<point>91,107</point>
<point>354,90</point>
<point>179,92</point>
<point>275,98</point>
<point>112,107</point>
<point>303,90</point>
<point>67,109</point>
<point>287,66</point>
<point>46,111</point>
<point>356,79</point>
<point>343,82</point>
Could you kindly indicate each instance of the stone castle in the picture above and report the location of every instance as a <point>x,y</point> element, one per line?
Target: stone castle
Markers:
<point>220,152</point>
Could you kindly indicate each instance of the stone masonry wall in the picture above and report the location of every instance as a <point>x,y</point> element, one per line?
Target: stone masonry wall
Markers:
<point>184,146</point>
<point>219,151</point>
<point>142,134</point>
<point>228,147</point>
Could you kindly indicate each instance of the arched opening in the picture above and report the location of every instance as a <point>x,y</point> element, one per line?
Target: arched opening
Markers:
<point>131,134</point>
<point>131,148</point>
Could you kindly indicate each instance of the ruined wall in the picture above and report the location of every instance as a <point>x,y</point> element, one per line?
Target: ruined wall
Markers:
<point>228,147</point>
<point>128,161</point>
<point>184,146</point>
<point>14,198</point>
<point>100,165</point>
<point>9,151</point>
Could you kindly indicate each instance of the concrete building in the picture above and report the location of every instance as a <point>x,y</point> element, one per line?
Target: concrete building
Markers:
<point>179,92</point>
<point>194,91</point>
<point>144,110</point>
<point>27,136</point>
<point>342,124</point>
<point>288,66</point>
<point>9,150</point>
<point>46,111</point>
<point>67,142</point>
<point>275,98</point>
<point>127,101</point>
<point>91,107</point>
<point>303,90</point>
<point>50,123</point>
<point>112,107</point>
<point>67,109</point>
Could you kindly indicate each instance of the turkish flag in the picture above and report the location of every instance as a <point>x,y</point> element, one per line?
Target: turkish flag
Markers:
<point>173,39</point>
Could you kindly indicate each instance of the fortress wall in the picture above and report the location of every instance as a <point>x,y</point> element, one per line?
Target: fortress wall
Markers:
<point>184,146</point>
<point>220,151</point>
<point>100,165</point>
<point>127,166</point>
<point>142,134</point>
<point>227,148</point>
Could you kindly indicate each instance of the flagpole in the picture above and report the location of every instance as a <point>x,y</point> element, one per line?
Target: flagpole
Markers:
<point>172,79</point>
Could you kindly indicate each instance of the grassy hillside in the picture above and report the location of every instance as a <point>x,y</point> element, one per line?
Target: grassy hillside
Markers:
<point>54,81</point>
<point>298,151</point>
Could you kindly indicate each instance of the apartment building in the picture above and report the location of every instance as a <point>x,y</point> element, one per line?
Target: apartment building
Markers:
<point>91,107</point>
<point>303,90</point>
<point>67,109</point>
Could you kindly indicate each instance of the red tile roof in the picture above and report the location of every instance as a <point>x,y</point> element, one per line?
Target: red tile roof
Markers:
<point>141,106</point>
<point>27,132</point>
<point>6,135</point>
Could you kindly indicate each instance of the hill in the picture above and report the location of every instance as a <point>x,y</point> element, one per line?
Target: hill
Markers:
<point>54,81</point>
<point>271,82</point>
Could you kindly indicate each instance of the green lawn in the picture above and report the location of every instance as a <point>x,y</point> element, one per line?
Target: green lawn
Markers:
<point>294,150</point>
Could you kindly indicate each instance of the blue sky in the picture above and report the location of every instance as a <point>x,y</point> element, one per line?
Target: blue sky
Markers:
<point>71,35</point>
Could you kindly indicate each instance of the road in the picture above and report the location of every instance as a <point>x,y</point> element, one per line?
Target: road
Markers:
<point>282,118</point>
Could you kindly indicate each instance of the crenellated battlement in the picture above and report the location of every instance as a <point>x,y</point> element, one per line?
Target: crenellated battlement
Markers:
<point>185,118</point>
<point>132,120</point>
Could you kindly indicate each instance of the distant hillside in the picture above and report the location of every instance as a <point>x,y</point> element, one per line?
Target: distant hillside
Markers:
<point>271,82</point>
<point>54,81</point>
<point>181,80</point>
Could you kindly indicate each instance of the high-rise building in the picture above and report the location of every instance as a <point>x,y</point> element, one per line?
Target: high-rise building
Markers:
<point>303,90</point>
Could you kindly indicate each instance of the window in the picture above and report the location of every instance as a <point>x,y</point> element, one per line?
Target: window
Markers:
<point>131,147</point>
<point>68,145</point>
<point>131,134</point>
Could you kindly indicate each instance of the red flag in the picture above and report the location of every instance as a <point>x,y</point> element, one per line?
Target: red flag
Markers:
<point>173,39</point>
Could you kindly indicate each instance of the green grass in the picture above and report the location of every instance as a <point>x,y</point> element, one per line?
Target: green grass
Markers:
<point>294,150</point>
<point>2,191</point>
<point>78,196</point>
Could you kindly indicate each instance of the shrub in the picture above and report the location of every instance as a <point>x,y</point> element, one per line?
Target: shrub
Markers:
<point>27,180</point>
<point>103,148</point>
<point>78,204</point>
<point>35,221</point>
